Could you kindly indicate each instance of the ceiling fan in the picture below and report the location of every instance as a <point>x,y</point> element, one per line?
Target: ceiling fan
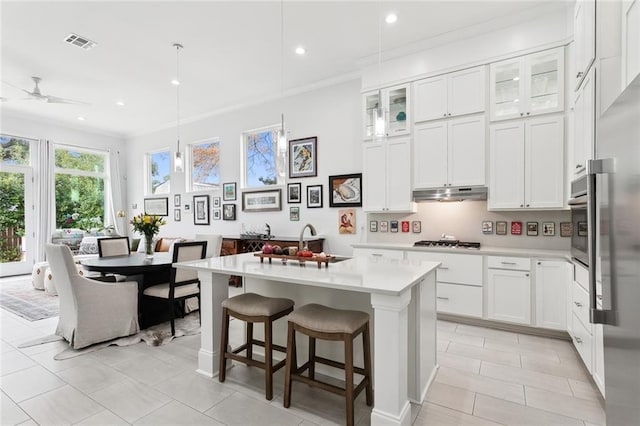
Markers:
<point>37,95</point>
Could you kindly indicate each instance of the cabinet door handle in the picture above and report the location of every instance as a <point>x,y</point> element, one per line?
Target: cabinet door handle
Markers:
<point>578,304</point>
<point>526,275</point>
<point>579,166</point>
<point>449,114</point>
<point>539,263</point>
<point>442,298</point>
<point>528,113</point>
<point>578,340</point>
<point>528,205</point>
<point>444,115</point>
<point>521,114</point>
<point>521,205</point>
<point>579,74</point>
<point>376,254</point>
<point>442,268</point>
<point>509,263</point>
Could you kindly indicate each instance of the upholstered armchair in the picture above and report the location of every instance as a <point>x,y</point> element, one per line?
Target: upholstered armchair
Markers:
<point>91,311</point>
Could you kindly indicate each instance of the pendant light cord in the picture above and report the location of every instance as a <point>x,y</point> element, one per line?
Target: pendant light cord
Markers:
<point>178,46</point>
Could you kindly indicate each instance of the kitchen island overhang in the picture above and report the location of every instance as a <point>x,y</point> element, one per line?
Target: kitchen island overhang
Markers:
<point>401,297</point>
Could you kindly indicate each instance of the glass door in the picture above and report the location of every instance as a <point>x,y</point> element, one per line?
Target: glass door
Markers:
<point>16,220</point>
<point>371,102</point>
<point>506,89</point>
<point>545,74</point>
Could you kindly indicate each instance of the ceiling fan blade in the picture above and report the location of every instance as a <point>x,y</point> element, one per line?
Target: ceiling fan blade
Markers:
<point>58,100</point>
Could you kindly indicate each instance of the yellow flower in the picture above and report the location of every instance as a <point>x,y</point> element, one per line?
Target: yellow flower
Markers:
<point>147,219</point>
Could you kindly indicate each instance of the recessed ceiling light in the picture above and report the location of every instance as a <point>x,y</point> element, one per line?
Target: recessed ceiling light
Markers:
<point>175,82</point>
<point>81,118</point>
<point>120,103</point>
<point>391,18</point>
<point>301,50</point>
<point>516,78</point>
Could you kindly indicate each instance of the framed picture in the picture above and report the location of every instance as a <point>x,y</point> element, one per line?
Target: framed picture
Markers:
<point>229,191</point>
<point>384,226</point>
<point>416,227</point>
<point>347,221</point>
<point>487,227</point>
<point>187,207</point>
<point>393,225</point>
<point>228,212</point>
<point>156,206</point>
<point>216,202</point>
<point>303,157</point>
<point>548,229</point>
<point>532,229</point>
<point>346,190</point>
<point>516,228</point>
<point>373,226</point>
<point>201,209</point>
<point>501,228</point>
<point>176,200</point>
<point>405,225</point>
<point>566,229</point>
<point>176,215</point>
<point>262,201</point>
<point>294,193</point>
<point>314,196</point>
<point>294,214</point>
<point>217,215</point>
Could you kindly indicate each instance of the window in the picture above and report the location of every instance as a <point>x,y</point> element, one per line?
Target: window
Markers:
<point>204,165</point>
<point>80,179</point>
<point>159,172</point>
<point>14,151</point>
<point>261,163</point>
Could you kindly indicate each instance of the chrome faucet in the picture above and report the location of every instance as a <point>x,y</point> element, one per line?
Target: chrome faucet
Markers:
<point>268,229</point>
<point>313,232</point>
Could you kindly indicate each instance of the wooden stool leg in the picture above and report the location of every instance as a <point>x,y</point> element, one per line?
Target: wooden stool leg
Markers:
<point>268,361</point>
<point>250,340</point>
<point>312,357</point>
<point>290,364</point>
<point>348,372</point>
<point>224,341</point>
<point>366,345</point>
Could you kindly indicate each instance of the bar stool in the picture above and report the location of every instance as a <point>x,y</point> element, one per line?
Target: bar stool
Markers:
<point>322,322</point>
<point>253,308</point>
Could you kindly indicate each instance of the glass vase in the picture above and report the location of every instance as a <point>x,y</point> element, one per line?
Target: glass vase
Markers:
<point>148,246</point>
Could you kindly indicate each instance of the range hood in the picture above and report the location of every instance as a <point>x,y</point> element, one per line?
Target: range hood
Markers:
<point>451,194</point>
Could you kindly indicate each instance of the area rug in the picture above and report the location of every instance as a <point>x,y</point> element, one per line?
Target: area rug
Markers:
<point>157,335</point>
<point>20,298</point>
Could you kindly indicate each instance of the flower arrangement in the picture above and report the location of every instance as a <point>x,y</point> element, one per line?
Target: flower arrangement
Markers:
<point>149,226</point>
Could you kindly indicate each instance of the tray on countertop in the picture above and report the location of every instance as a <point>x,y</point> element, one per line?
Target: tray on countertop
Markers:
<point>284,257</point>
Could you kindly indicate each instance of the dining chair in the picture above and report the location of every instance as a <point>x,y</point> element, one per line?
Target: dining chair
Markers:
<point>91,311</point>
<point>214,244</point>
<point>183,283</point>
<point>114,246</point>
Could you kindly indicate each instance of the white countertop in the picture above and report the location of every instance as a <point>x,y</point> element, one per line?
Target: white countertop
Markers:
<point>365,274</point>
<point>491,251</point>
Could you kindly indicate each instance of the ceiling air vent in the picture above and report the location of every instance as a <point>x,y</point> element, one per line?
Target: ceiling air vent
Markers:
<point>79,41</point>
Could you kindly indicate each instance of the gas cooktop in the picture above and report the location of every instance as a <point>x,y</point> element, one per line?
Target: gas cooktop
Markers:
<point>447,243</point>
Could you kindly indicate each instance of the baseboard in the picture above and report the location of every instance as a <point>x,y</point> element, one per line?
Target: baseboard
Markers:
<point>523,329</point>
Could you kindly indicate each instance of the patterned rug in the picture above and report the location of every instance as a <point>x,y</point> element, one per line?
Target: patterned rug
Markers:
<point>22,299</point>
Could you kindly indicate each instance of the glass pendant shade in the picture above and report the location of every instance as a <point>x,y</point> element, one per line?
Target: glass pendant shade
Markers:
<point>178,166</point>
<point>379,119</point>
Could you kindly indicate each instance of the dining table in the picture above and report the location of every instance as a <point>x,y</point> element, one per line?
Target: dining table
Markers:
<point>146,272</point>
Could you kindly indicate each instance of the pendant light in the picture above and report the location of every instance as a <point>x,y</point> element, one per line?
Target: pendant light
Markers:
<point>281,136</point>
<point>379,119</point>
<point>178,165</point>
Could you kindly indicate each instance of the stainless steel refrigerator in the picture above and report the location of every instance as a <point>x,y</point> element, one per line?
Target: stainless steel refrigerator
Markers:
<point>614,200</point>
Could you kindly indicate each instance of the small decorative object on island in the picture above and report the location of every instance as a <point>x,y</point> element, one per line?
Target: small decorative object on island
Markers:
<point>149,226</point>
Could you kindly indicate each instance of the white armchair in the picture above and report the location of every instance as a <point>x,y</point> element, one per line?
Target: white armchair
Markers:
<point>91,311</point>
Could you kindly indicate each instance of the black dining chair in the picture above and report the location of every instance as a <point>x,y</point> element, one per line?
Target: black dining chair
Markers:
<point>183,283</point>
<point>109,247</point>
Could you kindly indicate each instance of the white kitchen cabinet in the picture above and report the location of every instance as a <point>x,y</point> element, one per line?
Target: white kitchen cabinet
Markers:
<point>598,357</point>
<point>449,153</point>
<point>509,296</point>
<point>459,299</point>
<point>550,288</point>
<point>449,95</point>
<point>584,123</point>
<point>527,85</point>
<point>375,252</point>
<point>387,176</point>
<point>584,35</point>
<point>630,40</point>
<point>527,164</point>
<point>396,106</point>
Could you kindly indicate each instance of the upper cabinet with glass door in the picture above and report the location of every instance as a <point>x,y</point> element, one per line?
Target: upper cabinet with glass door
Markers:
<point>527,85</point>
<point>395,112</point>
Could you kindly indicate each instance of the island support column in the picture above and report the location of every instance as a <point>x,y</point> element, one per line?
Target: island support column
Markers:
<point>391,402</point>
<point>214,288</point>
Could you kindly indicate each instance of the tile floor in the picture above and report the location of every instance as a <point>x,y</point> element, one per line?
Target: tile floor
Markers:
<point>486,377</point>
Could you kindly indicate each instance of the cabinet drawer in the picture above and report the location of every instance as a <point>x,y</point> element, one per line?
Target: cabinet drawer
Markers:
<point>580,304</point>
<point>391,254</point>
<point>583,342</point>
<point>455,268</point>
<point>459,299</point>
<point>581,275</point>
<point>502,262</point>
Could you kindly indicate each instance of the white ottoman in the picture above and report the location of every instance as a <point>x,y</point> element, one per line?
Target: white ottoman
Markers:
<point>37,275</point>
<point>49,284</point>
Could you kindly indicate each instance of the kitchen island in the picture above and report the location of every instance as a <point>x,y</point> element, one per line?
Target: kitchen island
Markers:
<point>400,294</point>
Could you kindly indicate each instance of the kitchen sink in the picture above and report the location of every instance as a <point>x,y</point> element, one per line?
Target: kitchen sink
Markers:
<point>337,259</point>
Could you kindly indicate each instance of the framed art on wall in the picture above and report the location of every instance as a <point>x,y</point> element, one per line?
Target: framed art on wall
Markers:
<point>216,214</point>
<point>176,200</point>
<point>176,215</point>
<point>303,157</point>
<point>156,206</point>
<point>487,227</point>
<point>294,193</point>
<point>201,209</point>
<point>347,221</point>
<point>314,196</point>
<point>294,214</point>
<point>532,229</point>
<point>416,226</point>
<point>346,190</point>
<point>262,201</point>
<point>229,191</point>
<point>228,212</point>
<point>373,226</point>
<point>384,226</point>
<point>566,229</point>
<point>216,202</point>
<point>501,228</point>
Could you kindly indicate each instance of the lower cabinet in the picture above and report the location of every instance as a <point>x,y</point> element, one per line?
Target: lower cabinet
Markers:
<point>598,357</point>
<point>551,303</point>
<point>509,296</point>
<point>582,340</point>
<point>391,254</point>
<point>459,299</point>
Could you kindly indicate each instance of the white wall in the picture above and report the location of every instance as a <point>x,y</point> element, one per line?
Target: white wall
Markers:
<point>332,114</point>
